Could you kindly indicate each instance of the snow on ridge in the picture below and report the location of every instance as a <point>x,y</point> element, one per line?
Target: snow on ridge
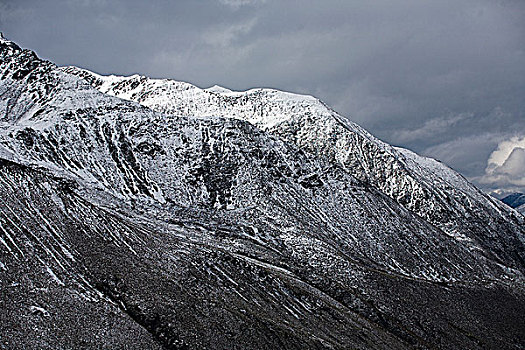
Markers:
<point>265,108</point>
<point>3,39</point>
<point>435,168</point>
<point>218,89</point>
<point>422,185</point>
<point>166,95</point>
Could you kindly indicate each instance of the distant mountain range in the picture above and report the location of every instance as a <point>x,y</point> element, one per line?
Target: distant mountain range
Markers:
<point>141,213</point>
<point>516,201</point>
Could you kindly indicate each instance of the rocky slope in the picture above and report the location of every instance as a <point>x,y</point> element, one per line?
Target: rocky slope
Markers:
<point>424,186</point>
<point>204,225</point>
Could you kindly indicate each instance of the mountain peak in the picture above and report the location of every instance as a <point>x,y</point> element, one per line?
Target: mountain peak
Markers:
<point>218,89</point>
<point>4,40</point>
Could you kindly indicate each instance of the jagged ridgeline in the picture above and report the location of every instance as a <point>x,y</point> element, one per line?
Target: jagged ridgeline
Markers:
<point>143,214</point>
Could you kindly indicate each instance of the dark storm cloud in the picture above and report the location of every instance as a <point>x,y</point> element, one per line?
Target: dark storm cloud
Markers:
<point>444,78</point>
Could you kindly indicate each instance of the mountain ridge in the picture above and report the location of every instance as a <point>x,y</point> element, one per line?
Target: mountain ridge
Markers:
<point>514,200</point>
<point>307,122</point>
<point>192,231</point>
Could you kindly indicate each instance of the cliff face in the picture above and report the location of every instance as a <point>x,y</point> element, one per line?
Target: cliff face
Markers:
<point>215,219</point>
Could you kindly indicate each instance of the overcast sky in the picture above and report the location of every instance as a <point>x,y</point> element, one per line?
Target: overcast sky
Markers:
<point>445,78</point>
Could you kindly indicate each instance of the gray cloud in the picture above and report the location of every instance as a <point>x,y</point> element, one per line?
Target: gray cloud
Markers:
<point>444,78</point>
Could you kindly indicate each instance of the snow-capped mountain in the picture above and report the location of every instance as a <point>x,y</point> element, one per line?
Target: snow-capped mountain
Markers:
<point>424,186</point>
<point>141,213</point>
<point>516,201</point>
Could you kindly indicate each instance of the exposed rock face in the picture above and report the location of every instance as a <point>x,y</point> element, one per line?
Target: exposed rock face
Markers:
<point>220,220</point>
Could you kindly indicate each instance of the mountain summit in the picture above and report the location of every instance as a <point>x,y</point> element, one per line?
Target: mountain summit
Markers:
<point>143,213</point>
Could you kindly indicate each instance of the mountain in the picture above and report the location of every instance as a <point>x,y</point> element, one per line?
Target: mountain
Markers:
<point>141,213</point>
<point>424,186</point>
<point>514,200</point>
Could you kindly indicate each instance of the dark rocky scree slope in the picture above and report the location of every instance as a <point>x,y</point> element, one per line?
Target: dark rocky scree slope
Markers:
<point>122,227</point>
